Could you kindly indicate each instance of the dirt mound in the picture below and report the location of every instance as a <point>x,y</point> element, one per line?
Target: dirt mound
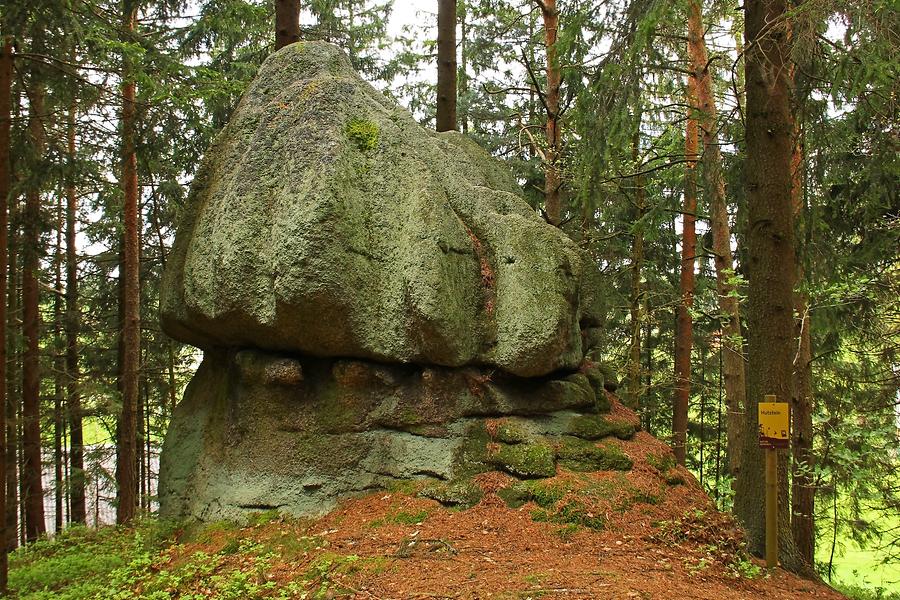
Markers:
<point>650,532</point>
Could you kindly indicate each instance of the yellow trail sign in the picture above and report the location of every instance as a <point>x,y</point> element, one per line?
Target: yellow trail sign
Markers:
<point>774,424</point>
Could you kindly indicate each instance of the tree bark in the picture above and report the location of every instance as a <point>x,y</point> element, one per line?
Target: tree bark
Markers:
<point>6,67</point>
<point>446,71</point>
<point>33,497</point>
<point>462,77</point>
<point>58,375</point>
<point>78,513</point>
<point>129,271</point>
<point>287,22</point>
<point>13,379</point>
<point>633,392</point>
<point>684,330</point>
<point>803,492</point>
<point>733,372</point>
<point>770,260</point>
<point>552,176</point>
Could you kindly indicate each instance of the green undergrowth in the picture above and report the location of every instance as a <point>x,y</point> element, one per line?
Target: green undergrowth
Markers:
<point>156,560</point>
<point>86,563</point>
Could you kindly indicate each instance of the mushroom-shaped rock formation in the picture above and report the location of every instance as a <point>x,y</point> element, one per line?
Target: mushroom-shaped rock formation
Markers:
<point>365,292</point>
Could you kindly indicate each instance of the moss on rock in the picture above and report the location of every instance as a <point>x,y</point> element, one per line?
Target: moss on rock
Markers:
<point>462,493</point>
<point>510,432</point>
<point>542,492</point>
<point>581,455</point>
<point>363,133</point>
<point>595,427</point>
<point>526,460</point>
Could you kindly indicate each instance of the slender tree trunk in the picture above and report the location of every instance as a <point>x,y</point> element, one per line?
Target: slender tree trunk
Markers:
<point>58,375</point>
<point>287,22</point>
<point>6,67</point>
<point>648,386</point>
<point>141,488</point>
<point>714,187</point>
<point>78,513</point>
<point>462,77</point>
<point>637,301</point>
<point>131,340</point>
<point>31,369</point>
<point>552,176</point>
<point>13,382</point>
<point>770,259</point>
<point>803,492</point>
<point>684,330</point>
<point>446,71</point>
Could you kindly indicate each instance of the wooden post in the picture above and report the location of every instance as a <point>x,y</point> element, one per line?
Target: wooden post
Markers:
<point>771,507</point>
<point>774,433</point>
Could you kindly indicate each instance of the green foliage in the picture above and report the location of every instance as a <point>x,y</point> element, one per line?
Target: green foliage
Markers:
<point>82,563</point>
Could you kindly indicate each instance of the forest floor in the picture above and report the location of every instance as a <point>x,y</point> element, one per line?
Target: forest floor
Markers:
<point>646,534</point>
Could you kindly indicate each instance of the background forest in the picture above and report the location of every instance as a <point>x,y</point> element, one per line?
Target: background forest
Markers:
<point>624,121</point>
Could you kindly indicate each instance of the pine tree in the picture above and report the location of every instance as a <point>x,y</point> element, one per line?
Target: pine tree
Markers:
<point>126,476</point>
<point>714,190</point>
<point>6,72</point>
<point>685,327</point>
<point>33,491</point>
<point>770,259</point>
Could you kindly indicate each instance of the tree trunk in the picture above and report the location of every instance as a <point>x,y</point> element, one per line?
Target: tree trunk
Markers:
<point>552,177</point>
<point>6,67</point>
<point>770,260</point>
<point>131,348</point>
<point>78,513</point>
<point>803,492</point>
<point>714,187</point>
<point>446,71</point>
<point>633,393</point>
<point>287,22</point>
<point>462,78</point>
<point>13,380</point>
<point>33,498</point>
<point>684,326</point>
<point>58,375</point>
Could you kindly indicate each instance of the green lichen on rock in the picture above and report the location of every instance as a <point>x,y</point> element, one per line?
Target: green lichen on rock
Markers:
<point>576,454</point>
<point>363,133</point>
<point>460,493</point>
<point>595,427</point>
<point>526,460</point>
<point>429,258</point>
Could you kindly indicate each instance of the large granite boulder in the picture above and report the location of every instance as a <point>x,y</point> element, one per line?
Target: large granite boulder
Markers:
<point>325,221</point>
<point>376,304</point>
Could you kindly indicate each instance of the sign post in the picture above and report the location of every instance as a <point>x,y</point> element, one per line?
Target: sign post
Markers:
<point>774,433</point>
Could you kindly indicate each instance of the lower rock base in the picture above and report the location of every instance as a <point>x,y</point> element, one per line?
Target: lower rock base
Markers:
<point>258,431</point>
